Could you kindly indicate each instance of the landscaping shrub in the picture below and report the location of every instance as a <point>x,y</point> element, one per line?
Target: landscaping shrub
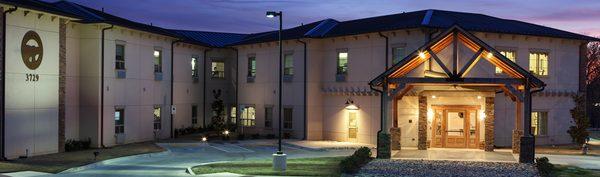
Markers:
<point>544,166</point>
<point>255,136</point>
<point>270,136</point>
<point>578,130</point>
<point>75,145</point>
<point>352,164</point>
<point>241,137</point>
<point>287,135</point>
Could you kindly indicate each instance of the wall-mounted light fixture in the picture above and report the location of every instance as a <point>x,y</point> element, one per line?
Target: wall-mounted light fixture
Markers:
<point>350,105</point>
<point>482,115</point>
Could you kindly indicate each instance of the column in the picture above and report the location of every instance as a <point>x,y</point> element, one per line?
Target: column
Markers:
<point>527,153</point>
<point>384,150</point>
<point>518,131</point>
<point>62,83</point>
<point>489,124</point>
<point>422,123</point>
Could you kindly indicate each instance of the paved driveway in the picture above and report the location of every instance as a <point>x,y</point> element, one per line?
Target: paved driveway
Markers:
<point>182,155</point>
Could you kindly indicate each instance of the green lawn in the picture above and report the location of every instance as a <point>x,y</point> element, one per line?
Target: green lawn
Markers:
<point>54,163</point>
<point>322,166</point>
<point>571,171</point>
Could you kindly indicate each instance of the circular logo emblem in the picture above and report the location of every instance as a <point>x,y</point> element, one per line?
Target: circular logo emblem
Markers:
<point>32,50</point>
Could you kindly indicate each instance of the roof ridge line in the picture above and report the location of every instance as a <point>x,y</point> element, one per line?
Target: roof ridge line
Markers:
<point>79,7</point>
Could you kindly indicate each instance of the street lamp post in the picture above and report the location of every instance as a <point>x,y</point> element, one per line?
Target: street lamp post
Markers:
<point>279,158</point>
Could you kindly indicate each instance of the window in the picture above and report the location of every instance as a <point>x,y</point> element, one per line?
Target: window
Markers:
<point>157,61</point>
<point>288,118</point>
<point>119,120</point>
<point>342,63</point>
<point>288,65</point>
<point>120,57</point>
<point>218,69</point>
<point>538,63</point>
<point>194,114</point>
<point>248,116</point>
<point>157,118</point>
<point>194,65</point>
<point>539,123</point>
<point>352,125</point>
<point>233,115</point>
<point>251,66</point>
<point>398,53</point>
<point>268,117</point>
<point>510,54</point>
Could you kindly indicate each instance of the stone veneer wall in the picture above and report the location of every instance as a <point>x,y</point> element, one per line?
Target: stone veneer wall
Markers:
<point>62,70</point>
<point>489,124</point>
<point>516,141</point>
<point>422,143</point>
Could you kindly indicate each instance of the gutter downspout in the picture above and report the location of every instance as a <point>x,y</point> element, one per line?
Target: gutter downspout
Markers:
<point>204,87</point>
<point>3,100</point>
<point>102,86</point>
<point>172,66</point>
<point>305,91</point>
<point>237,83</point>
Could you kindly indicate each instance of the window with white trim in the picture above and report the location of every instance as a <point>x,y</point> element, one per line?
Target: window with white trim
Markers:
<point>510,54</point>
<point>538,63</point>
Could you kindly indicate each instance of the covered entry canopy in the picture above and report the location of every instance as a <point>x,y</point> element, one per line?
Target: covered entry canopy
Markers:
<point>452,74</point>
<point>517,83</point>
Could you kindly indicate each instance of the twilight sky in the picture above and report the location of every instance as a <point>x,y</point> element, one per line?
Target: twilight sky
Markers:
<point>247,16</point>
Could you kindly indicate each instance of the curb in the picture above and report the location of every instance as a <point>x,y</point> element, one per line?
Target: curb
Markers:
<point>303,147</point>
<point>104,162</point>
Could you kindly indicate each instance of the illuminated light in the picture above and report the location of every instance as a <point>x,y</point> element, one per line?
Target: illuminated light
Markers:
<point>482,115</point>
<point>490,55</point>
<point>433,96</point>
<point>479,97</point>
<point>226,132</point>
<point>422,55</point>
<point>350,105</point>
<point>204,139</point>
<point>429,115</point>
<point>156,53</point>
<point>270,15</point>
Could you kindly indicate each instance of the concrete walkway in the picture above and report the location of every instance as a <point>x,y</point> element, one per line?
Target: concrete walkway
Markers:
<point>180,156</point>
<point>454,155</point>
<point>588,162</point>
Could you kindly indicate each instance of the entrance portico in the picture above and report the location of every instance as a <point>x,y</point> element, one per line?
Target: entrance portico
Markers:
<point>455,95</point>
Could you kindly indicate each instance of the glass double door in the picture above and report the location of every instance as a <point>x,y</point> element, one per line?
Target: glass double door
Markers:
<point>455,127</point>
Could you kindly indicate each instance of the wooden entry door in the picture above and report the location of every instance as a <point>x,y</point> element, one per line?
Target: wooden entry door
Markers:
<point>455,127</point>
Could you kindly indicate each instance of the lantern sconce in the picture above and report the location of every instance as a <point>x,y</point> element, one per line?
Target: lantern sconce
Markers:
<point>350,105</point>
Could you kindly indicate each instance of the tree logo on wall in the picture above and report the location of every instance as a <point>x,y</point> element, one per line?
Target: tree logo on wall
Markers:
<point>32,50</point>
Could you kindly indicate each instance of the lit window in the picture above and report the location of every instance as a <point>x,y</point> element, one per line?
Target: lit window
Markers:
<point>288,118</point>
<point>288,65</point>
<point>218,69</point>
<point>194,114</point>
<point>248,116</point>
<point>251,66</point>
<point>352,125</point>
<point>157,61</point>
<point>119,121</point>
<point>538,63</point>
<point>194,65</point>
<point>268,117</point>
<point>539,123</point>
<point>157,118</point>
<point>120,57</point>
<point>233,115</point>
<point>342,63</point>
<point>510,54</point>
<point>398,53</point>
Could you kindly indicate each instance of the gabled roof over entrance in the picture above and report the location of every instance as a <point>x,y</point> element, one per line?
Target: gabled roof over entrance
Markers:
<point>455,73</point>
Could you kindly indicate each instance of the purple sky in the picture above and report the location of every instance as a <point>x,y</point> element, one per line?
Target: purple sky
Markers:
<point>246,16</point>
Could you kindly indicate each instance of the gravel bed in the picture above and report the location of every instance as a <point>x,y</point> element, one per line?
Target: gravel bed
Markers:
<point>430,168</point>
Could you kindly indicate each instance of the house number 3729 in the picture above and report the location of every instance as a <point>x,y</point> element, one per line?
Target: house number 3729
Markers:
<point>32,77</point>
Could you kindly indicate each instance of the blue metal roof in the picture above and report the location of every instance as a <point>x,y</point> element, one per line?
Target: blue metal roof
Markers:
<point>321,29</point>
<point>214,39</point>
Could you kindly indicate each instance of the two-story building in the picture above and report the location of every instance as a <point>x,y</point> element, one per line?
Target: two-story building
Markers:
<point>449,79</point>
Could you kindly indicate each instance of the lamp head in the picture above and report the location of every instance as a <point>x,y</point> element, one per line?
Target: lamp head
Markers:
<point>350,105</point>
<point>272,14</point>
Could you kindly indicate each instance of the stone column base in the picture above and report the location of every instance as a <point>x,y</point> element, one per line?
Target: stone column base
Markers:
<point>516,141</point>
<point>527,153</point>
<point>395,132</point>
<point>383,145</point>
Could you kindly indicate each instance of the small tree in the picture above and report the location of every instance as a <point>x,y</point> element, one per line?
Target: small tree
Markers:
<point>218,122</point>
<point>578,131</point>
